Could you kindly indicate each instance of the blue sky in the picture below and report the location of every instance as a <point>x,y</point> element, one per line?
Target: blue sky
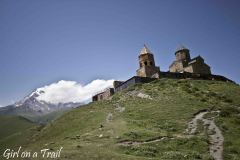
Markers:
<point>44,41</point>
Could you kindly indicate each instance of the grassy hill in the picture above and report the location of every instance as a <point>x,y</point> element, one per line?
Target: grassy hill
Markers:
<point>15,131</point>
<point>100,130</point>
<point>44,119</point>
<point>32,115</point>
<point>147,121</point>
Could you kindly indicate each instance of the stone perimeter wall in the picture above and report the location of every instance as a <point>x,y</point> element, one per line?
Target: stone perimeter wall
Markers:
<point>120,85</point>
<point>132,81</point>
<point>185,75</point>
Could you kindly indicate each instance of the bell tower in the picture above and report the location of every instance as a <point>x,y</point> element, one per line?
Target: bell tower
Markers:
<point>182,54</point>
<point>147,66</point>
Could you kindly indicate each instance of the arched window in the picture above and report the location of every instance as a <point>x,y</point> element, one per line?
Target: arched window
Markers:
<point>145,63</point>
<point>150,63</point>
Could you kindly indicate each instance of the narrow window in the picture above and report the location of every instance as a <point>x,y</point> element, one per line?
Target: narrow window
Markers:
<point>145,63</point>
<point>150,63</point>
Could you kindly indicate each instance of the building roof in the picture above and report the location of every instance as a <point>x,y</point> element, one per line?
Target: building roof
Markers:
<point>145,50</point>
<point>194,60</point>
<point>197,58</point>
<point>180,48</point>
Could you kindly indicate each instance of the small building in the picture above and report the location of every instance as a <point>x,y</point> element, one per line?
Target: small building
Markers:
<point>184,63</point>
<point>103,95</point>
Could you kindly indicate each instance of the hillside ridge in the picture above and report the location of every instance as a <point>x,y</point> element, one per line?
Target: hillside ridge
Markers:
<point>150,120</point>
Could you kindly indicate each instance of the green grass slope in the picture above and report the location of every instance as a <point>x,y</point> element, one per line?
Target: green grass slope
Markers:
<point>46,118</point>
<point>15,131</point>
<point>95,131</point>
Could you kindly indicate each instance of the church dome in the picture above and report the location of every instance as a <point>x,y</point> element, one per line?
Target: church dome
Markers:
<point>181,48</point>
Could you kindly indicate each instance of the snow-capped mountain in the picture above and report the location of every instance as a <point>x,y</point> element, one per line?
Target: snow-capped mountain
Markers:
<point>48,102</point>
<point>32,102</point>
<point>31,105</point>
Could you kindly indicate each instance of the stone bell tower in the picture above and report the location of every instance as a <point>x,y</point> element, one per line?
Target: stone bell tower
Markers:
<point>182,54</point>
<point>146,63</point>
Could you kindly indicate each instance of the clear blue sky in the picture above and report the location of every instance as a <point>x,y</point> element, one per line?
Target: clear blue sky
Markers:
<point>48,40</point>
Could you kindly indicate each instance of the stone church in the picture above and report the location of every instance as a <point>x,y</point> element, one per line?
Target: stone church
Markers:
<point>184,63</point>
<point>182,67</point>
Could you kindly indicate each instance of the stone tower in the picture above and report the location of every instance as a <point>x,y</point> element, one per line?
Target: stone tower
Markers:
<point>182,54</point>
<point>182,59</point>
<point>147,64</point>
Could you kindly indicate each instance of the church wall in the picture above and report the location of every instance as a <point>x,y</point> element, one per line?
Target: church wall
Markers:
<point>189,69</point>
<point>200,67</point>
<point>177,66</point>
<point>146,60</point>
<point>147,71</point>
<point>103,95</point>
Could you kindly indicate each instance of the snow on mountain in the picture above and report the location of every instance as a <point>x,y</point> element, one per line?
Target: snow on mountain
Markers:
<point>61,95</point>
<point>71,91</point>
<point>32,103</point>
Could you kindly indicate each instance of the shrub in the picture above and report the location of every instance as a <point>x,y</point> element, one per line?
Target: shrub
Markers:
<point>142,150</point>
<point>204,100</point>
<point>195,89</point>
<point>132,135</point>
<point>228,100</point>
<point>212,94</point>
<point>236,120</point>
<point>228,111</point>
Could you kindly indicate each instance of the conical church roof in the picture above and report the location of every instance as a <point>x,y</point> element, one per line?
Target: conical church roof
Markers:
<point>145,50</point>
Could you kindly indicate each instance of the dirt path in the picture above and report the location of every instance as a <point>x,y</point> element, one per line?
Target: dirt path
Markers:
<point>132,143</point>
<point>215,135</point>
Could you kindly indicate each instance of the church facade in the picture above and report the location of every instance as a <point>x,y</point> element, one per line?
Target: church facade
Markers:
<point>184,63</point>
<point>182,67</point>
